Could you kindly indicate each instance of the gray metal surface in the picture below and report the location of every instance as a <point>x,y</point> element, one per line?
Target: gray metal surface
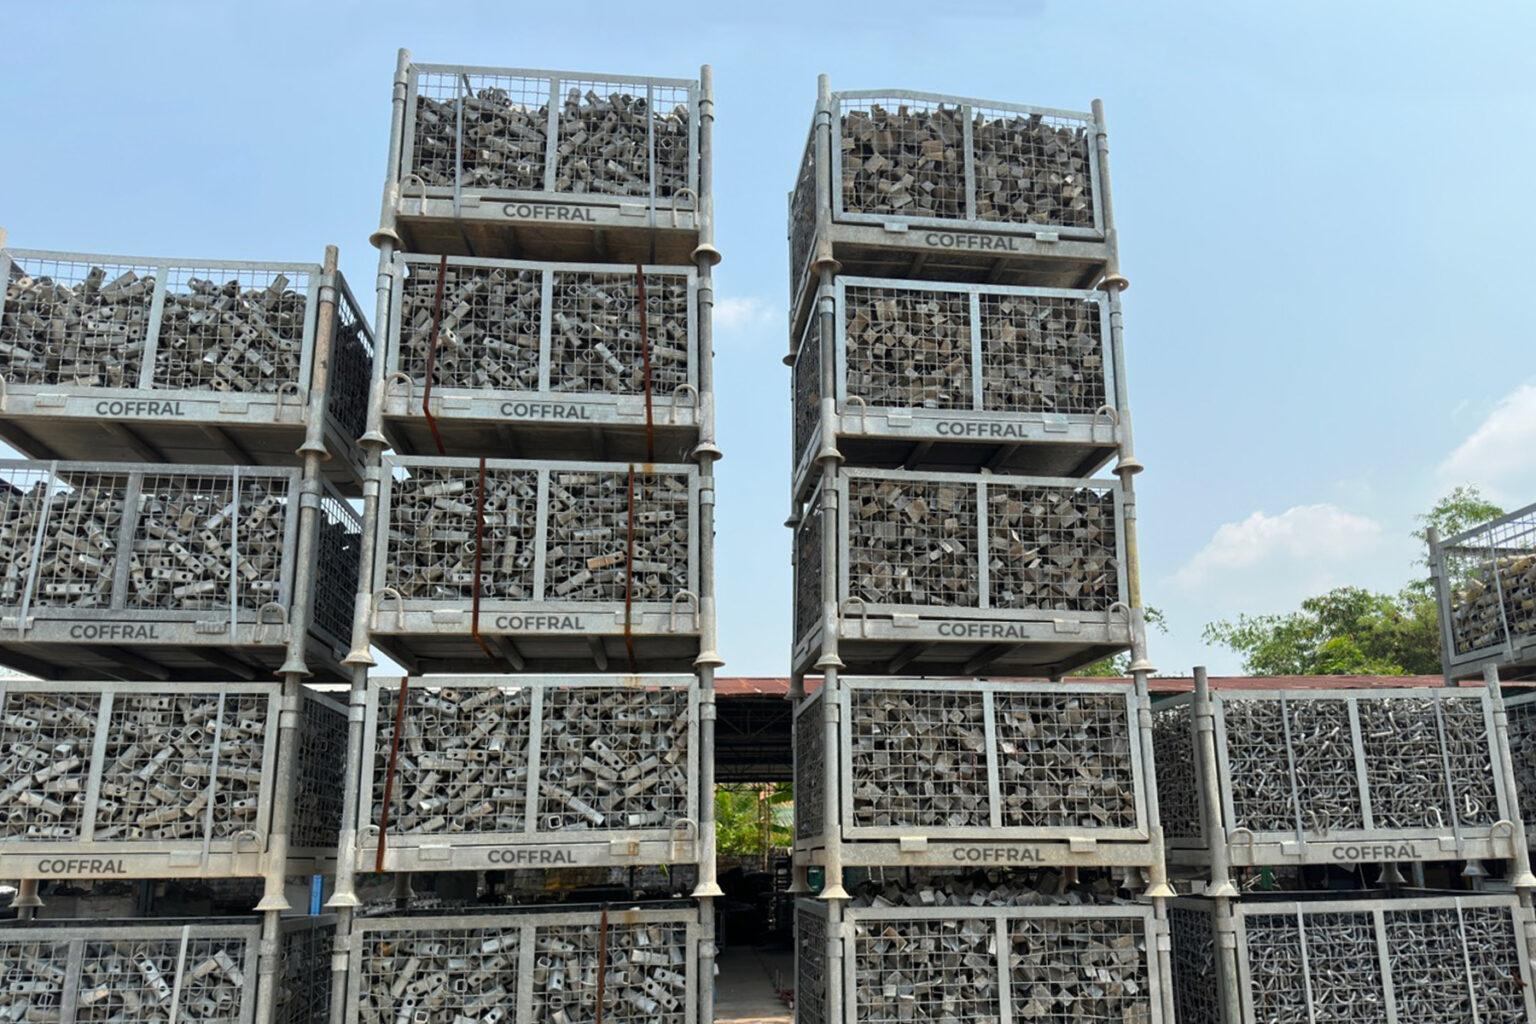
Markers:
<point>522,966</point>
<point>1428,959</point>
<point>552,586</point>
<point>992,963</point>
<point>164,572</point>
<point>1522,744</point>
<point>944,187</point>
<point>960,773</point>
<point>551,164</point>
<point>960,376</point>
<point>547,358</point>
<point>1485,583</point>
<point>1341,777</point>
<point>953,571</point>
<point>178,361</point>
<point>543,772</point>
<point>160,971</point>
<point>144,780</point>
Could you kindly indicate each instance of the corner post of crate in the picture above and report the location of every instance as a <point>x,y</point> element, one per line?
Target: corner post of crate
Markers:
<point>821,252</point>
<point>386,233</point>
<point>26,901</point>
<point>1225,952</point>
<point>1220,884</point>
<point>1442,588</point>
<point>1521,878</point>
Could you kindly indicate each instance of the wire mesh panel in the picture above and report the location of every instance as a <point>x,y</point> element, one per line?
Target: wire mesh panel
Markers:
<point>602,341</point>
<point>1032,168</point>
<point>1064,760</point>
<point>45,756</point>
<point>643,967</point>
<point>489,130</point>
<point>75,320</point>
<point>810,771</point>
<point>1053,547</point>
<point>1321,965</point>
<point>439,974</point>
<point>614,758</point>
<point>462,763</point>
<point>1429,762</point>
<point>806,387</point>
<point>1079,969</point>
<point>950,967</point>
<point>35,975</point>
<point>227,329</point>
<point>808,570</point>
<point>908,348</point>
<point>618,538</point>
<point>919,757</point>
<point>912,542</point>
<point>433,533</point>
<point>487,325</point>
<point>187,551</point>
<point>1321,791</point>
<point>351,370</point>
<point>304,979</point>
<point>1522,747</point>
<point>1487,582</point>
<point>139,980</point>
<point>802,218</point>
<point>1456,963</point>
<point>1178,788</point>
<point>322,767</point>
<point>810,967</point>
<point>339,556</point>
<point>81,536</point>
<point>902,156</point>
<point>1195,999</point>
<point>1043,353</point>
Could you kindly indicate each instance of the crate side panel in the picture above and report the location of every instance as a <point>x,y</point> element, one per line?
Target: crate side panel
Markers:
<point>1064,761</point>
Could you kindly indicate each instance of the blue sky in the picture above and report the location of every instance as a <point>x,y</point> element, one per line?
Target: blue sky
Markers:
<point>1323,211</point>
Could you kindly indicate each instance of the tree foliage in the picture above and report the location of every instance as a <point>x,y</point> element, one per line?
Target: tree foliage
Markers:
<point>754,820</point>
<point>1353,631</point>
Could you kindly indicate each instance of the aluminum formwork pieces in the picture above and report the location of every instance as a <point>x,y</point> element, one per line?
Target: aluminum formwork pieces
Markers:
<point>162,971</point>
<point>1410,956</point>
<point>1485,586</point>
<point>939,375</point>
<point>961,774</point>
<point>624,964</point>
<point>549,164</point>
<point>492,773</point>
<point>962,572</point>
<point>566,360</point>
<point>901,183</point>
<point>538,565</point>
<point>148,780</point>
<point>180,361</point>
<point>170,572</point>
<point>939,957</point>
<point>1334,777</point>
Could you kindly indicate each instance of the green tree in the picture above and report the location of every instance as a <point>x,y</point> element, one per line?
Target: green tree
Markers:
<point>1117,666</point>
<point>1353,631</point>
<point>754,820</point>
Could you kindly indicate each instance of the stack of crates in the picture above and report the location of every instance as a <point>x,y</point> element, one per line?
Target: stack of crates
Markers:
<point>178,535</point>
<point>958,382</point>
<point>538,546</point>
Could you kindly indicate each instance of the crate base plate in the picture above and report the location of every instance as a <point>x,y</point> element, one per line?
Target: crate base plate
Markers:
<point>981,853</point>
<point>511,439</point>
<point>925,654</point>
<point>541,653</point>
<point>567,232</point>
<point>462,853</point>
<point>176,662</point>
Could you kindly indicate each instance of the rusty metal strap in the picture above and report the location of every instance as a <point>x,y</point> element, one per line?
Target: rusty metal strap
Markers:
<point>645,360</point>
<point>629,575</point>
<point>474,599</point>
<point>437,321</point>
<point>389,774</point>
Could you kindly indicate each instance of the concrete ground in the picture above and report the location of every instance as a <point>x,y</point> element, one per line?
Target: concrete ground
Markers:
<point>744,989</point>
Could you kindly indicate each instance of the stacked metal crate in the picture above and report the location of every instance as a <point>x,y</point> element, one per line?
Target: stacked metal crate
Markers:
<point>182,530</point>
<point>1278,785</point>
<point>958,379</point>
<point>543,527</point>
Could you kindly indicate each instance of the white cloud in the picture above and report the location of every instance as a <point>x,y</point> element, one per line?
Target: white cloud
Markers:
<point>744,314</point>
<point>1500,455</point>
<point>1306,541</point>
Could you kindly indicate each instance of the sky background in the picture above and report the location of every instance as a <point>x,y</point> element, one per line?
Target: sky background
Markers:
<point>1322,207</point>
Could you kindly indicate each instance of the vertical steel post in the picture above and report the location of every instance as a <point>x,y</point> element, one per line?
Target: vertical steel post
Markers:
<point>344,900</point>
<point>1220,888</point>
<point>705,257</point>
<point>26,901</point>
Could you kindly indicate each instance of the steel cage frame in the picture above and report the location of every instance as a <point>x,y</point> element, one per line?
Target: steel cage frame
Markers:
<point>852,833</point>
<point>454,401</point>
<point>1516,648</point>
<point>548,193</point>
<point>1300,845</point>
<point>531,835</point>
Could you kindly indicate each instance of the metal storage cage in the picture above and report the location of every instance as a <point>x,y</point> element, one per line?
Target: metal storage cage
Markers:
<point>145,780</point>
<point>537,566</point>
<point>166,572</point>
<point>548,164</point>
<point>965,572</point>
<point>159,971</point>
<point>957,773</point>
<point>521,966</point>
<point>556,771</point>
<point>1522,750</point>
<point>130,358</point>
<point>1429,959</point>
<point>1337,777</point>
<point>992,964</point>
<point>947,188</point>
<point>961,376</point>
<point>559,359</point>
<point>1485,583</point>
